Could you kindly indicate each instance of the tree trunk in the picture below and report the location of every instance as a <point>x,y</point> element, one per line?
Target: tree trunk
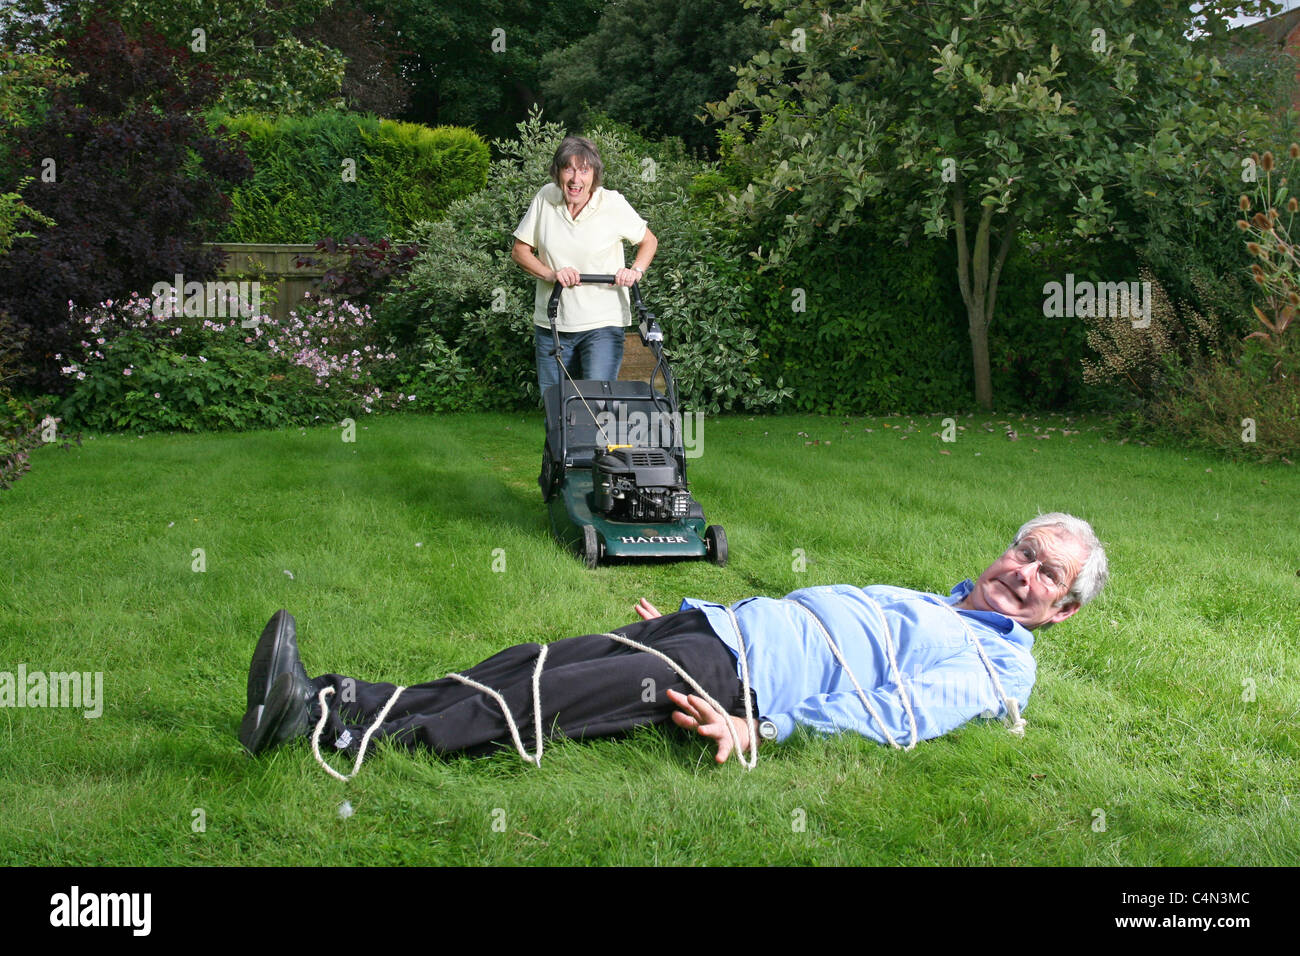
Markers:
<point>978,280</point>
<point>979,348</point>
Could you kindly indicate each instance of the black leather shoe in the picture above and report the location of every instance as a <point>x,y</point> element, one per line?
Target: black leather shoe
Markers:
<point>276,653</point>
<point>284,715</point>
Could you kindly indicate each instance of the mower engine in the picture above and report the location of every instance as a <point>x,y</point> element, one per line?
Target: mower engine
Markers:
<point>640,485</point>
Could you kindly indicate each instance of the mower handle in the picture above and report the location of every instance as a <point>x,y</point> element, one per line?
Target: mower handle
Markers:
<point>651,337</point>
<point>553,306</point>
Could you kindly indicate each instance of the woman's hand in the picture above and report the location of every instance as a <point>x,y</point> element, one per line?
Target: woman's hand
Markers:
<point>626,277</point>
<point>568,276</point>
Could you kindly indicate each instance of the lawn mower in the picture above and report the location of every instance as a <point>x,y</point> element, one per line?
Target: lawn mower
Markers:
<point>614,466</point>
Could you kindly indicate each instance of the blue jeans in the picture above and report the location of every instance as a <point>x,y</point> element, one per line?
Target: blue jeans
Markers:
<point>596,354</point>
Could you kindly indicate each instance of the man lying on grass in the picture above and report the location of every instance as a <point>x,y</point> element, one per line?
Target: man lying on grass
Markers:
<point>892,664</point>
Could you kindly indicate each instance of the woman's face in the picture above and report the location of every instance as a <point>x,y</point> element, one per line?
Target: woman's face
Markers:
<point>575,180</point>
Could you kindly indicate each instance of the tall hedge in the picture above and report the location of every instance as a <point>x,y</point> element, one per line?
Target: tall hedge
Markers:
<point>859,323</point>
<point>338,174</point>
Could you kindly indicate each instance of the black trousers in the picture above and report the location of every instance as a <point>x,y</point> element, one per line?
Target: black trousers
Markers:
<point>591,686</point>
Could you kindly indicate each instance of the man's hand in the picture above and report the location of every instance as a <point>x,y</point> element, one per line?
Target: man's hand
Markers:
<point>647,611</point>
<point>694,713</point>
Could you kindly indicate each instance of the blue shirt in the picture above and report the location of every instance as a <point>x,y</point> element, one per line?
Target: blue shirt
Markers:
<point>935,666</point>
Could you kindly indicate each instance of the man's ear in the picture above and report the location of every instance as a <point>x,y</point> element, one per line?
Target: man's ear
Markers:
<point>1064,611</point>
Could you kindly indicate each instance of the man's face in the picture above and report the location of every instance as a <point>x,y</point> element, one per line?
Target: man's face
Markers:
<point>575,180</point>
<point>1027,581</point>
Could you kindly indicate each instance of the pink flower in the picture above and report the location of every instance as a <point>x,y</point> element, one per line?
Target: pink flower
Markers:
<point>157,395</point>
<point>126,371</point>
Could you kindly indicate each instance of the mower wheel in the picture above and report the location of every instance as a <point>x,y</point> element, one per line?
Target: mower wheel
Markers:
<point>715,544</point>
<point>549,479</point>
<point>590,546</point>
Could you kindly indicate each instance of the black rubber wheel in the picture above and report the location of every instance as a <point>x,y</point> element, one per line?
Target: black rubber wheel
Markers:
<point>590,546</point>
<point>549,479</point>
<point>715,544</point>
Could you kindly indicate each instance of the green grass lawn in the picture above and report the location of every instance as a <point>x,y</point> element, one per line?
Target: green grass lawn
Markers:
<point>1163,729</point>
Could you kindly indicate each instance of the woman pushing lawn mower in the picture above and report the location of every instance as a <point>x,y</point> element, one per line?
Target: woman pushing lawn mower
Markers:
<point>575,226</point>
<point>614,463</point>
<point>614,466</point>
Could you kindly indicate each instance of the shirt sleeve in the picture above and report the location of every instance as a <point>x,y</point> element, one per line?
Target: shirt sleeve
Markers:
<point>631,226</point>
<point>526,231</point>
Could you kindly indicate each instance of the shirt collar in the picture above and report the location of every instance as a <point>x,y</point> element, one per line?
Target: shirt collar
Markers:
<point>959,591</point>
<point>555,196</point>
<point>999,622</point>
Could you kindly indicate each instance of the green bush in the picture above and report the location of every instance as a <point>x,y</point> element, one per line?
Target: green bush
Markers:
<point>303,188</point>
<point>473,305</point>
<point>884,328</point>
<point>23,427</point>
<point>1245,404</point>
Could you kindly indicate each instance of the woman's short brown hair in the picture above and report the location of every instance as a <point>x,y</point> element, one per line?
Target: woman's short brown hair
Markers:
<point>581,148</point>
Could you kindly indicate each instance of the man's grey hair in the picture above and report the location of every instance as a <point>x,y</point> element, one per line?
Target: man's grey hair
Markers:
<point>1093,575</point>
<point>585,151</point>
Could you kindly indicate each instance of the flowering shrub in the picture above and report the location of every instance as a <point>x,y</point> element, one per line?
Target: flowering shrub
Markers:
<point>142,371</point>
<point>1137,358</point>
<point>334,341</point>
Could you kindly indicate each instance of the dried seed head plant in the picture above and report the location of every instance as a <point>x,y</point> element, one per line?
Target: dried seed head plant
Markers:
<point>1135,356</point>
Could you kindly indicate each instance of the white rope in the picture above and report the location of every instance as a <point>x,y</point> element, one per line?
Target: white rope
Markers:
<point>1015,723</point>
<point>536,758</point>
<point>898,677</point>
<point>898,674</point>
<point>749,703</point>
<point>681,671</point>
<point>365,741</point>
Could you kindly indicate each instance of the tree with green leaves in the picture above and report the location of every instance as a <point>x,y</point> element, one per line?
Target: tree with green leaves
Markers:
<point>978,119</point>
<point>653,64</point>
<point>263,49</point>
<point>478,63</point>
<point>27,83</point>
